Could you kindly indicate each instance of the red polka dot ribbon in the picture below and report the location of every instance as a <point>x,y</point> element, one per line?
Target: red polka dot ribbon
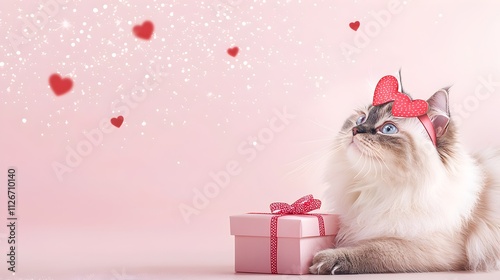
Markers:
<point>300,207</point>
<point>387,91</point>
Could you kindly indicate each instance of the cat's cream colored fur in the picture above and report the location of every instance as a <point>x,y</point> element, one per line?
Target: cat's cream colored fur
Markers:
<point>407,206</point>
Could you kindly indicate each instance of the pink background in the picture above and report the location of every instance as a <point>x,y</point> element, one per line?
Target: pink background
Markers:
<point>119,207</point>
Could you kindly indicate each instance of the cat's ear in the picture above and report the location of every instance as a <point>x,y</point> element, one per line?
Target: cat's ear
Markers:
<point>439,111</point>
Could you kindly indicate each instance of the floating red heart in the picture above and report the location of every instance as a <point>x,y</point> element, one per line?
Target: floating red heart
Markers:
<point>354,25</point>
<point>386,90</point>
<point>405,107</point>
<point>144,31</point>
<point>117,121</point>
<point>233,51</point>
<point>59,85</point>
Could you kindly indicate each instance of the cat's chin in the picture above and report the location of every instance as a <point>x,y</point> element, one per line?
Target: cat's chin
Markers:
<point>357,152</point>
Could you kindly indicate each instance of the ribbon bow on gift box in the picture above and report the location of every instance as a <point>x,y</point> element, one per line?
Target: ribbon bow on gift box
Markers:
<point>302,206</point>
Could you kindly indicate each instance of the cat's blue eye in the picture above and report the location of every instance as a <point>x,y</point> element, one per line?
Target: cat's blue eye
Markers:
<point>389,129</point>
<point>361,120</point>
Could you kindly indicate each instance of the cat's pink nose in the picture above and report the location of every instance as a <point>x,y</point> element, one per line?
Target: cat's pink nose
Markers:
<point>354,130</point>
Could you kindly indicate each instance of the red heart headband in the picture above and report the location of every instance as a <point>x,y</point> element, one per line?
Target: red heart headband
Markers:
<point>404,107</point>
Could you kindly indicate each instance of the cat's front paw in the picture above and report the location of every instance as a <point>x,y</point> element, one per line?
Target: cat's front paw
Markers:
<point>331,261</point>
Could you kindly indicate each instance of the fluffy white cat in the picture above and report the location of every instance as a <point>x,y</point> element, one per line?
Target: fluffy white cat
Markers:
<point>406,205</point>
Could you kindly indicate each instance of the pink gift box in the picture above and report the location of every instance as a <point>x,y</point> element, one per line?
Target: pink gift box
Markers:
<point>298,239</point>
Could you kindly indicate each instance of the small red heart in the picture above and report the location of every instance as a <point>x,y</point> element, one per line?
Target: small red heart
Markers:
<point>233,51</point>
<point>405,107</point>
<point>59,85</point>
<point>144,31</point>
<point>386,90</point>
<point>354,25</point>
<point>117,121</point>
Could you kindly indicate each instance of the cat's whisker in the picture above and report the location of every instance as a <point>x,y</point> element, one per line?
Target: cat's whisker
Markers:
<point>370,166</point>
<point>370,156</point>
<point>364,162</point>
<point>312,159</point>
<point>305,162</point>
<point>337,146</point>
<point>379,155</point>
<point>336,149</point>
<point>302,167</point>
<point>356,163</point>
<point>385,164</point>
<point>377,159</point>
<point>381,168</point>
<point>374,166</point>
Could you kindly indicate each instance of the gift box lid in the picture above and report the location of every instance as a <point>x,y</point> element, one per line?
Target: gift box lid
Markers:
<point>294,226</point>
